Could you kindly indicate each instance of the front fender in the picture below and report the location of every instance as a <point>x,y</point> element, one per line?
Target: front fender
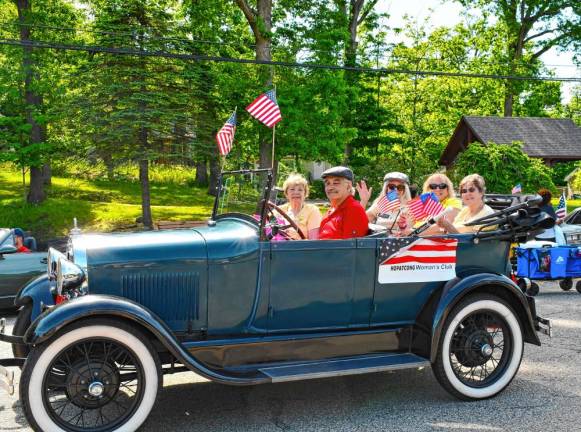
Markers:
<point>499,285</point>
<point>95,305</point>
<point>36,292</point>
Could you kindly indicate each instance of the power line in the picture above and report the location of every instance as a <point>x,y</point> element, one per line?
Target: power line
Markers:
<point>219,59</point>
<point>193,41</point>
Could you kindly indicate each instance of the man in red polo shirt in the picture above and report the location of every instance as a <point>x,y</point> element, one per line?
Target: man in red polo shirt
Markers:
<point>346,217</point>
<point>19,241</point>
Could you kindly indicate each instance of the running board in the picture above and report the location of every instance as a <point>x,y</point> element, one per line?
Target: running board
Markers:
<point>345,366</point>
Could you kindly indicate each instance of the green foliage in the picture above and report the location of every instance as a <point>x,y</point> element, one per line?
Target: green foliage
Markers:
<point>99,205</point>
<point>503,166</point>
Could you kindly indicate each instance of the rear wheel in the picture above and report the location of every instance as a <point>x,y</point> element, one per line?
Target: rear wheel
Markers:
<point>566,284</point>
<point>93,376</point>
<point>578,286</point>
<point>480,348</point>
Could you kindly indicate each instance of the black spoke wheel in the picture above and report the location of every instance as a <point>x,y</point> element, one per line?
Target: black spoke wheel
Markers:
<point>480,348</point>
<point>91,378</point>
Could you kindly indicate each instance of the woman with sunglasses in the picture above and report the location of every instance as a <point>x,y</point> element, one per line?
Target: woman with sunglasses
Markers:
<point>442,187</point>
<point>393,181</point>
<point>472,190</point>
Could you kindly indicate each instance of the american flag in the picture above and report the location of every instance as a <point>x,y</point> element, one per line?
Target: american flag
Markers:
<point>225,136</point>
<point>432,206</point>
<point>265,109</point>
<point>517,189</point>
<point>415,250</point>
<point>389,202</point>
<point>416,207</point>
<point>562,207</point>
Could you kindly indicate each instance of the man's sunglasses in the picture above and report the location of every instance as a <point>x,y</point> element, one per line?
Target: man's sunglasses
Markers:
<point>438,186</point>
<point>399,187</point>
<point>470,189</point>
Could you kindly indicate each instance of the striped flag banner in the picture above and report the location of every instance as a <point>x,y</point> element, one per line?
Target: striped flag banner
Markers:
<point>389,202</point>
<point>265,109</point>
<point>416,207</point>
<point>432,206</point>
<point>225,136</point>
<point>412,259</point>
<point>516,189</point>
<point>562,207</point>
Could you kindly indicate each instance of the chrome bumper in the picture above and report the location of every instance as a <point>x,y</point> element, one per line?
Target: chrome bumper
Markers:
<point>543,325</point>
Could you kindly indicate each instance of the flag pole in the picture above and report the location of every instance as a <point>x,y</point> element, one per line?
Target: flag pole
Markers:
<point>273,135</point>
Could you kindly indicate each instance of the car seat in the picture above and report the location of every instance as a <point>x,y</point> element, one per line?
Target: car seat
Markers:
<point>30,243</point>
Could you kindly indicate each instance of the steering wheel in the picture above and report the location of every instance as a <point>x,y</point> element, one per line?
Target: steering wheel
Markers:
<point>272,207</point>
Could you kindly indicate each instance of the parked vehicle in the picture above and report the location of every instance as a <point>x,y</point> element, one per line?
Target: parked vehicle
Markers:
<point>17,269</point>
<point>571,227</point>
<point>231,305</point>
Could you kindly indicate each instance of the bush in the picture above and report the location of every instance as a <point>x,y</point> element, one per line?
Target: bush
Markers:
<point>503,166</point>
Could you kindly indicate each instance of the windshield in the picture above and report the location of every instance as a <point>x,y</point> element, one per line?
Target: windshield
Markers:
<point>5,237</point>
<point>242,192</point>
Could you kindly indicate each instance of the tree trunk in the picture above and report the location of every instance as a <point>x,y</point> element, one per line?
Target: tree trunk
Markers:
<point>201,173</point>
<point>508,101</point>
<point>47,174</point>
<point>145,194</point>
<point>350,76</point>
<point>144,181</point>
<point>214,173</point>
<point>260,22</point>
<point>36,193</point>
<point>32,100</point>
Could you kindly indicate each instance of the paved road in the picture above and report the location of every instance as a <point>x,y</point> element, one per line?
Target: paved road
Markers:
<point>545,395</point>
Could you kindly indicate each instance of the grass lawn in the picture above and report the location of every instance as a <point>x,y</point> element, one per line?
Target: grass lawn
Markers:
<point>98,205</point>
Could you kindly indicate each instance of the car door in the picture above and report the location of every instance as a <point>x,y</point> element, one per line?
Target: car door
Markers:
<point>313,285</point>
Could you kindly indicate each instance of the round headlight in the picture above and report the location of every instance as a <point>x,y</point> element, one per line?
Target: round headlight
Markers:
<point>68,275</point>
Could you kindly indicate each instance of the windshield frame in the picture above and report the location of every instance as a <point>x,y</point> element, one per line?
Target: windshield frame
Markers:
<point>265,194</point>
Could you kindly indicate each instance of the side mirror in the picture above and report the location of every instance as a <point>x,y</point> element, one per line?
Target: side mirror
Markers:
<point>7,249</point>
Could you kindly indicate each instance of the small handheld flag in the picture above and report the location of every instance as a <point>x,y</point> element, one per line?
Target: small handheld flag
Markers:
<point>562,207</point>
<point>389,202</point>
<point>416,207</point>
<point>432,206</point>
<point>516,189</point>
<point>265,109</point>
<point>225,136</point>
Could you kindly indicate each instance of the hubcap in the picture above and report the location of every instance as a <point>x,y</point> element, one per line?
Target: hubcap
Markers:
<point>96,389</point>
<point>486,350</point>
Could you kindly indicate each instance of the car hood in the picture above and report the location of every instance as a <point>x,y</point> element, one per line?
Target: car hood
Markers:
<point>91,250</point>
<point>227,238</point>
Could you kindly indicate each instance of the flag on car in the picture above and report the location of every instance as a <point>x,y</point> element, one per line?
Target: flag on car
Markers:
<point>516,189</point>
<point>432,205</point>
<point>265,109</point>
<point>225,136</point>
<point>416,207</point>
<point>412,259</point>
<point>389,202</point>
<point>562,207</point>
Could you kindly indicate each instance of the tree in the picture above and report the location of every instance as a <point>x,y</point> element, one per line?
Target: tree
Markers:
<point>133,103</point>
<point>533,27</point>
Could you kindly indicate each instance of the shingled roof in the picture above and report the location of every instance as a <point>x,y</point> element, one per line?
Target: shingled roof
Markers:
<point>550,139</point>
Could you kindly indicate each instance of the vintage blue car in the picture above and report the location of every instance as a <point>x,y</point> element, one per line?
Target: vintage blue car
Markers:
<point>227,302</point>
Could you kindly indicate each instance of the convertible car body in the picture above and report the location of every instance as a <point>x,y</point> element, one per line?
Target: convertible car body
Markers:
<point>228,303</point>
<point>17,269</point>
